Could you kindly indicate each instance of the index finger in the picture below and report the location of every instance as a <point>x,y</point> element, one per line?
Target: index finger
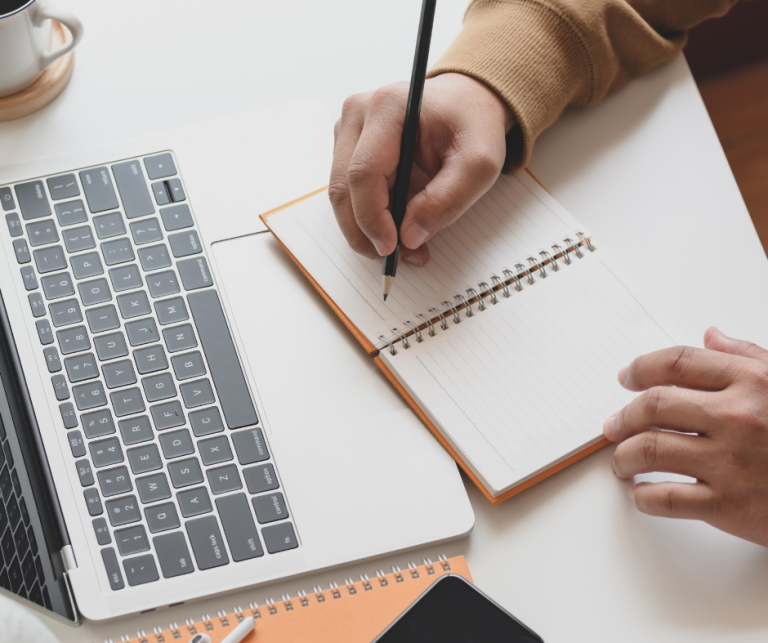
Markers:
<point>694,368</point>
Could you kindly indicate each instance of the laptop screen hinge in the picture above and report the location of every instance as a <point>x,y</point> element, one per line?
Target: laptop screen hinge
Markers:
<point>68,558</point>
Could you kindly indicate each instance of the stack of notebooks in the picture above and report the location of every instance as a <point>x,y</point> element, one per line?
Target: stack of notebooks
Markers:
<point>507,343</point>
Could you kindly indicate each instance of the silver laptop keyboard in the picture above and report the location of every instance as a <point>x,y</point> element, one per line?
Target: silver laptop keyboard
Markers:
<point>164,436</point>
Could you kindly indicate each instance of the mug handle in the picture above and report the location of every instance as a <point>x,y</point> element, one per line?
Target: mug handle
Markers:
<point>65,17</point>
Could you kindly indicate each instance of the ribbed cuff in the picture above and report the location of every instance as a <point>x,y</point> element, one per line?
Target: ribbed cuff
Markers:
<point>531,57</point>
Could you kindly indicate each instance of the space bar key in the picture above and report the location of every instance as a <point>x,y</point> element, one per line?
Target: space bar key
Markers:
<point>222,359</point>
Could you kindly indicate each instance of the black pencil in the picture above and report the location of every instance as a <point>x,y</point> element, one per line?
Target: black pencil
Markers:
<point>408,141</point>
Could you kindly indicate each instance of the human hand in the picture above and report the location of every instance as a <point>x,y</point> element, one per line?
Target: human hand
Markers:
<point>721,396</point>
<point>459,154</point>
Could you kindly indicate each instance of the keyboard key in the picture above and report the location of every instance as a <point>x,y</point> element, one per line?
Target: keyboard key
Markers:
<point>142,331</point>
<point>60,387</point>
<point>106,452</point>
<point>150,359</point>
<point>84,472</point>
<point>109,225</point>
<point>81,367</point>
<point>159,387</point>
<point>77,239</point>
<point>33,200</point>
<point>76,444</point>
<point>14,513</point>
<point>57,286</point>
<point>176,444</point>
<point>215,450</point>
<point>153,488</point>
<point>184,244</point>
<point>29,277</point>
<point>239,528</point>
<point>21,249</point>
<point>167,415</point>
<point>42,232</point>
<point>269,507</point>
<point>171,311</point>
<point>195,273</point>
<point>162,517</point>
<point>89,396</point>
<point>197,393</point>
<point>98,423</point>
<point>102,531</point>
<point>185,472</point>
<point>133,189</point>
<point>71,212</point>
<point>250,446</point>
<point>133,304</point>
<point>206,421</point>
<point>118,374</point>
<point>140,570</point>
<point>110,346</point>
<point>73,340</point>
<point>36,304</point>
<point>160,166</point>
<point>176,190</point>
<point>144,459</point>
<point>68,415</point>
<point>188,365</point>
<point>102,318</point>
<point>16,579</point>
<point>154,257</point>
<point>49,259</point>
<point>161,192</point>
<point>52,359</point>
<point>117,251</point>
<point>6,199</point>
<point>176,217</point>
<point>131,540</point>
<point>207,545</point>
<point>13,223</point>
<point>146,231</point>
<point>260,479</point>
<point>114,482</point>
<point>114,574</point>
<point>16,483</point>
<point>127,402</point>
<point>123,511</point>
<point>125,278</point>
<point>63,187</point>
<point>194,502</point>
<point>93,501</point>
<point>173,555</point>
<point>94,292</point>
<point>280,537</point>
<point>162,284</point>
<point>86,265</point>
<point>224,479</point>
<point>222,359</point>
<point>6,487</point>
<point>64,313</point>
<point>135,430</point>
<point>98,188</point>
<point>179,338</point>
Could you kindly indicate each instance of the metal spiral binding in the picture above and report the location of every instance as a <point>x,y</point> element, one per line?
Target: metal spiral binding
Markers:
<point>415,329</point>
<point>456,318</point>
<point>443,321</point>
<point>463,302</point>
<point>366,582</point>
<point>403,337</point>
<point>485,288</point>
<point>254,607</point>
<point>303,598</point>
<point>391,345</point>
<point>190,623</point>
<point>398,574</point>
<point>413,570</point>
<point>535,264</point>
<point>549,258</point>
<point>335,590</point>
<point>287,602</point>
<point>586,240</point>
<point>350,585</point>
<point>511,276</point>
<point>521,270</point>
<point>480,303</point>
<point>271,606</point>
<point>428,322</point>
<point>223,619</point>
<point>158,632</point>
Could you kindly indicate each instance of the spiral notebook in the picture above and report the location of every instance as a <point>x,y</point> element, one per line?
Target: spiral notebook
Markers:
<point>507,343</point>
<point>350,612</point>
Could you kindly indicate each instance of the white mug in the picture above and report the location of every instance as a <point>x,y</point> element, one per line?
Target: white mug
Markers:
<point>25,33</point>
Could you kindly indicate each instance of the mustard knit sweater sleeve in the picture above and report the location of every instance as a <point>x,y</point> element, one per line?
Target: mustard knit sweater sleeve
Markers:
<point>541,56</point>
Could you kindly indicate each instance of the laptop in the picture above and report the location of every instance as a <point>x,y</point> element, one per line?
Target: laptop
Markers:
<point>179,414</point>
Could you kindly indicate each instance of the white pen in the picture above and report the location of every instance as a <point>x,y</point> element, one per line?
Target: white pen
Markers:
<point>235,636</point>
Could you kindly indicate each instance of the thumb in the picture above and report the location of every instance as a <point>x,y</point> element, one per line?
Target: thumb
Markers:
<point>717,341</point>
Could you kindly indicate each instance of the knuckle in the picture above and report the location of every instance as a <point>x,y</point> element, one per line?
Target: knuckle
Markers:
<point>667,500</point>
<point>388,95</point>
<point>653,402</point>
<point>360,169</point>
<point>486,163</point>
<point>679,360</point>
<point>338,193</point>
<point>649,448</point>
<point>352,104</point>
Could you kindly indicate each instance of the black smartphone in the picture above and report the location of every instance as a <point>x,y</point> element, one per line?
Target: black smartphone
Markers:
<point>452,610</point>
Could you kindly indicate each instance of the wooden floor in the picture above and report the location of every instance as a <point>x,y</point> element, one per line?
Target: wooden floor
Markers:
<point>738,105</point>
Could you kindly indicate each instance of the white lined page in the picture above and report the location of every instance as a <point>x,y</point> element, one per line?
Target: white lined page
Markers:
<point>531,380</point>
<point>514,219</point>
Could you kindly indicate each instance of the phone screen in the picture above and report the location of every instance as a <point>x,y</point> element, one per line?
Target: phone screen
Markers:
<point>452,610</point>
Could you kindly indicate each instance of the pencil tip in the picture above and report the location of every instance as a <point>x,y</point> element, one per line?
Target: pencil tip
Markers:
<point>385,296</point>
<point>386,285</point>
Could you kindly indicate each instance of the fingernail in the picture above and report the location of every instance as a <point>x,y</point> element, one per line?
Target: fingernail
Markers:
<point>381,248</point>
<point>415,235</point>
<point>632,494</point>
<point>609,427</point>
<point>623,375</point>
<point>414,259</point>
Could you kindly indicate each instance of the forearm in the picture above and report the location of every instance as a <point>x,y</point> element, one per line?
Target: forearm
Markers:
<point>541,56</point>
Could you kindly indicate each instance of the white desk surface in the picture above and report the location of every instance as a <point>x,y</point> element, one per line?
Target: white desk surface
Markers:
<point>571,556</point>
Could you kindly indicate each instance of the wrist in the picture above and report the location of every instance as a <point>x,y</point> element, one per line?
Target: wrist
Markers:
<point>483,95</point>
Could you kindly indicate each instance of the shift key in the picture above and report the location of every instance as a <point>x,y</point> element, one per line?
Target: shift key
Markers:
<point>133,189</point>
<point>99,190</point>
<point>207,544</point>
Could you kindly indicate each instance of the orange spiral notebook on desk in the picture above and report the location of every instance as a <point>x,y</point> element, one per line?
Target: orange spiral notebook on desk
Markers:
<point>350,612</point>
<point>506,343</point>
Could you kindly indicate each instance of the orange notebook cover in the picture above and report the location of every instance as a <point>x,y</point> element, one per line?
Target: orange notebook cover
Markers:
<point>373,351</point>
<point>347,612</point>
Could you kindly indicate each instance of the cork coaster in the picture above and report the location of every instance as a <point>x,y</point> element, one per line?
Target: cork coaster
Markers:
<point>50,84</point>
